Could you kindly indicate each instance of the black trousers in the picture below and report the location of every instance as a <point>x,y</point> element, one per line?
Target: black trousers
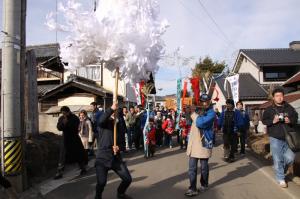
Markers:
<point>4,183</point>
<point>243,138</point>
<point>120,168</point>
<point>230,144</point>
<point>138,138</point>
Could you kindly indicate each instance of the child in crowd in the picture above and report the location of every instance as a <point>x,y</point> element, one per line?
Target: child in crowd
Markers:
<point>151,140</point>
<point>169,128</point>
<point>184,132</point>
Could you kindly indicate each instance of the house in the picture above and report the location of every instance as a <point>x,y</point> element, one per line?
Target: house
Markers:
<point>52,76</point>
<point>250,92</point>
<point>260,71</point>
<point>50,70</point>
<point>269,66</point>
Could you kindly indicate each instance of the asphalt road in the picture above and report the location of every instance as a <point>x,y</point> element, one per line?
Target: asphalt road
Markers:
<point>165,176</point>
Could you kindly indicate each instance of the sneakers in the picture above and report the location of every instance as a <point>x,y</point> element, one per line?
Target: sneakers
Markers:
<point>282,184</point>
<point>123,196</point>
<point>203,189</point>
<point>191,193</point>
<point>83,172</point>
<point>58,176</point>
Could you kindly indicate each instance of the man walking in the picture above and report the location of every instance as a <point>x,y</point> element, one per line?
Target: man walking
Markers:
<point>280,118</point>
<point>243,129</point>
<point>130,120</point>
<point>109,157</point>
<point>200,145</point>
<point>72,150</point>
<point>230,121</point>
<point>95,116</point>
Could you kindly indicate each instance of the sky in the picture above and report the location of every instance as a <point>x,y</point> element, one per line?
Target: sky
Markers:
<point>217,28</point>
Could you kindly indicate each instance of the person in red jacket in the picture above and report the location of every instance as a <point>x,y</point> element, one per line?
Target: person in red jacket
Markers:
<point>184,132</point>
<point>151,140</point>
<point>169,128</point>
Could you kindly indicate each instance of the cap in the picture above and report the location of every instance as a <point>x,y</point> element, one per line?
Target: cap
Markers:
<point>204,98</point>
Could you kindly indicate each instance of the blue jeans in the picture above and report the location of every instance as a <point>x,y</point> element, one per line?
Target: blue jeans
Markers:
<point>283,156</point>
<point>168,140</point>
<point>204,169</point>
<point>130,135</point>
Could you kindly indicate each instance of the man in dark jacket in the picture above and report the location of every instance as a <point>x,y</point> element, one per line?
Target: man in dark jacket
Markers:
<point>243,129</point>
<point>73,150</point>
<point>109,157</point>
<point>95,116</point>
<point>279,118</point>
<point>138,127</point>
<point>230,121</point>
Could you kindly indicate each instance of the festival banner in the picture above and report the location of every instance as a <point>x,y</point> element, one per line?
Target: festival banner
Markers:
<point>179,84</point>
<point>184,92</point>
<point>137,93</point>
<point>234,84</point>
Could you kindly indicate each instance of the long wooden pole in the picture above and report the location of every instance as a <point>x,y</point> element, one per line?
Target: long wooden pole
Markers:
<point>115,99</point>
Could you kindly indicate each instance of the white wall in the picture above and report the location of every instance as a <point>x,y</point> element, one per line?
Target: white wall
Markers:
<point>48,123</point>
<point>85,99</point>
<point>247,66</point>
<point>109,82</point>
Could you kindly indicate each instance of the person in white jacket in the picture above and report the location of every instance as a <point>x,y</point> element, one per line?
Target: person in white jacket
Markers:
<point>85,129</point>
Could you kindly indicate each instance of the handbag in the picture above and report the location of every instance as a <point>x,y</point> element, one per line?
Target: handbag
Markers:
<point>292,138</point>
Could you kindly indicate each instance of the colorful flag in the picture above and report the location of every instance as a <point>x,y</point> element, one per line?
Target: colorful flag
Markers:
<point>196,88</point>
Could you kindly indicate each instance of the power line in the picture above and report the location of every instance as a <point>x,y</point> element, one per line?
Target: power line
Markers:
<point>56,10</point>
<point>214,21</point>
<point>227,42</point>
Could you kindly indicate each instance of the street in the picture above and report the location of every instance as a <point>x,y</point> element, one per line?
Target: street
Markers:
<point>165,176</point>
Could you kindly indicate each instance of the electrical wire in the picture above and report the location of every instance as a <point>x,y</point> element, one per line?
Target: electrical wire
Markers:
<point>214,21</point>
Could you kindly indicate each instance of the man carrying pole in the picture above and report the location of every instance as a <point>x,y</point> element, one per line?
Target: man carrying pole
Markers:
<point>108,155</point>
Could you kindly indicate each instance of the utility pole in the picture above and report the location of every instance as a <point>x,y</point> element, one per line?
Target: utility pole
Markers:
<point>11,124</point>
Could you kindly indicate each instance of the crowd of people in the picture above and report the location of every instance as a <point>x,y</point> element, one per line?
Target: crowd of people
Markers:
<point>85,133</point>
<point>194,128</point>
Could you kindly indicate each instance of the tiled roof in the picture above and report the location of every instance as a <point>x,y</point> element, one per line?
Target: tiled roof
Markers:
<point>249,88</point>
<point>45,50</point>
<point>87,85</point>
<point>42,89</point>
<point>273,56</point>
<point>42,51</point>
<point>293,80</point>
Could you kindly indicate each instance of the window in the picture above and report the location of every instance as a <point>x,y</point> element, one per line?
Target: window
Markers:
<point>280,73</point>
<point>276,76</point>
<point>90,72</point>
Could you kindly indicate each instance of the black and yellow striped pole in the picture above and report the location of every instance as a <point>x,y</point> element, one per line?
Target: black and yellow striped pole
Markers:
<point>12,157</point>
<point>11,89</point>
